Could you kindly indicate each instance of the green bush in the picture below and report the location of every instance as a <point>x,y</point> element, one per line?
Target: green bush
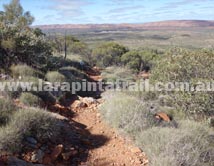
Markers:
<point>188,145</point>
<point>133,60</point>
<point>54,76</point>
<point>183,65</point>
<point>19,42</point>
<point>194,104</point>
<point>30,99</point>
<point>190,67</point>
<point>108,54</point>
<point>139,60</point>
<point>79,48</point>
<point>114,73</point>
<point>7,108</point>
<point>24,71</point>
<point>24,123</point>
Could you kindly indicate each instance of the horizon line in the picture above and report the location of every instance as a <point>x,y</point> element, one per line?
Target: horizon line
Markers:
<point>125,22</point>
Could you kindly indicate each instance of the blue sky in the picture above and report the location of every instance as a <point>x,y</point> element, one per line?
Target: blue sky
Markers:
<point>115,11</point>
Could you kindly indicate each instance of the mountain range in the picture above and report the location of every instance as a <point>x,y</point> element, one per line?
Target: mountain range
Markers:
<point>153,25</point>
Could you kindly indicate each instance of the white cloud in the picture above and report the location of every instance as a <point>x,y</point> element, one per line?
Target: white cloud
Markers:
<point>125,9</point>
<point>69,8</point>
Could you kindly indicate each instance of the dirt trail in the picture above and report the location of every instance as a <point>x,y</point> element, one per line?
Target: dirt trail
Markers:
<point>86,140</point>
<point>108,148</point>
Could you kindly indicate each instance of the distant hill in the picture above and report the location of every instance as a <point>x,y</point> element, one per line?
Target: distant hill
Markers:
<point>181,23</point>
<point>153,25</point>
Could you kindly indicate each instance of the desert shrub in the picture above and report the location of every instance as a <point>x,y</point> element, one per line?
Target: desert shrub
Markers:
<point>120,115</point>
<point>30,99</point>
<point>25,71</point>
<point>57,62</point>
<point>127,113</point>
<point>188,145</point>
<point>54,76</point>
<point>150,96</point>
<point>27,47</point>
<point>192,67</point>
<point>74,57</point>
<point>139,60</point>
<point>72,73</point>
<point>183,65</point>
<point>80,48</point>
<point>30,84</point>
<point>7,108</point>
<point>34,80</point>
<point>25,84</point>
<point>36,123</point>
<point>10,92</point>
<point>108,54</point>
<point>160,102</point>
<point>149,57</point>
<point>114,73</point>
<point>196,105</point>
<point>133,60</point>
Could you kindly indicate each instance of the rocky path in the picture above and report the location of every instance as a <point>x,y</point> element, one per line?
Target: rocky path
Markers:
<point>85,140</point>
<point>108,148</point>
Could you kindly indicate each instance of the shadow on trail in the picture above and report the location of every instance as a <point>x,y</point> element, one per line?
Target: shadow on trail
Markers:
<point>76,135</point>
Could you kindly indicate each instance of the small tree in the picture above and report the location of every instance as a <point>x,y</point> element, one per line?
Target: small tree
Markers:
<point>139,60</point>
<point>133,60</point>
<point>14,15</point>
<point>109,54</point>
<point>19,43</point>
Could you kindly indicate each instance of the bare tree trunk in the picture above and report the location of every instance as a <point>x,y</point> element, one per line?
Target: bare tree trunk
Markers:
<point>141,66</point>
<point>65,47</point>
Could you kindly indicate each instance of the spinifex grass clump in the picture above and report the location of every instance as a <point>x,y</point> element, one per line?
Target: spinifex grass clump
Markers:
<point>7,108</point>
<point>188,143</point>
<point>31,122</point>
<point>54,76</point>
<point>30,99</point>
